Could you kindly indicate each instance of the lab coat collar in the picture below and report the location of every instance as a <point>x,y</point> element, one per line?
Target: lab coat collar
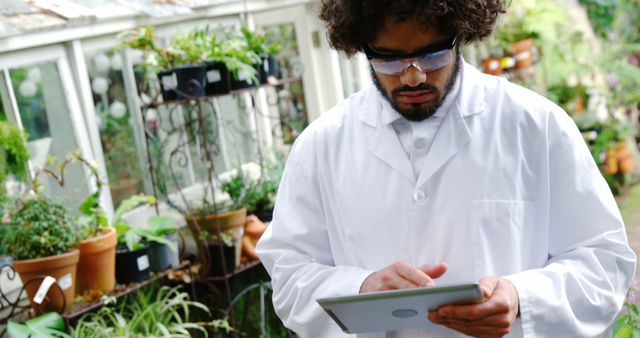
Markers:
<point>452,135</point>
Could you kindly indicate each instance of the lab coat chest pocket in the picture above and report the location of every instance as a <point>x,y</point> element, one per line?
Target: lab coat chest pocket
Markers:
<point>502,235</point>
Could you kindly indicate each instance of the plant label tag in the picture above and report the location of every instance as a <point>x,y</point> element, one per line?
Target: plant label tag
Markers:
<point>170,81</point>
<point>243,76</point>
<point>214,76</point>
<point>65,282</point>
<point>143,262</point>
<point>43,289</point>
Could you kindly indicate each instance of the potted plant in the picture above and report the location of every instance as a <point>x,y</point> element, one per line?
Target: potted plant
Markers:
<point>42,241</point>
<point>517,40</point>
<point>179,66</point>
<point>132,259</point>
<point>260,44</point>
<point>163,254</point>
<point>243,64</point>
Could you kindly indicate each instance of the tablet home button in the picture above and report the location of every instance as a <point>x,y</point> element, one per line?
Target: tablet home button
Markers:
<point>404,313</point>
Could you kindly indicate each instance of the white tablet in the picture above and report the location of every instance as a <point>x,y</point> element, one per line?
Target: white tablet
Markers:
<point>396,309</point>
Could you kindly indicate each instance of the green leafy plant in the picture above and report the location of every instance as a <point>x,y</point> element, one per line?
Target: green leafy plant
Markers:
<point>628,324</point>
<point>260,43</point>
<point>44,326</point>
<point>40,227</point>
<point>163,312</point>
<point>134,237</point>
<point>14,155</point>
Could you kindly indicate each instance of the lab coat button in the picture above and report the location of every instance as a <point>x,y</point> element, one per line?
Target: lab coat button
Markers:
<point>419,196</point>
<point>419,144</point>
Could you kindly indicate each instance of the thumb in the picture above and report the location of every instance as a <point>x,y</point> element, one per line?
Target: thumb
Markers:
<point>488,286</point>
<point>436,270</point>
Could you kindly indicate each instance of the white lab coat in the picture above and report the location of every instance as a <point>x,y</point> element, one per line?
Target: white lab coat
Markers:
<point>508,188</point>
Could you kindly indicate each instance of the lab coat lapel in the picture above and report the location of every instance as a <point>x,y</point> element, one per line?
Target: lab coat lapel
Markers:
<point>384,143</point>
<point>454,132</point>
<point>386,146</point>
<point>452,135</point>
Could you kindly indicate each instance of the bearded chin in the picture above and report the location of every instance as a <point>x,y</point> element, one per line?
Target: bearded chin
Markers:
<point>419,112</point>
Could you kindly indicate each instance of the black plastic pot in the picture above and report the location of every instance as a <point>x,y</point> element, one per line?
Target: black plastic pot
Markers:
<point>218,78</point>
<point>183,82</point>
<point>268,68</point>
<point>161,257</point>
<point>216,261</point>
<point>132,266</point>
<point>265,216</point>
<point>242,82</point>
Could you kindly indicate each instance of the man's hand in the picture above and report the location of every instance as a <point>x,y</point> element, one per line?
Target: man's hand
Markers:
<point>493,318</point>
<point>402,275</point>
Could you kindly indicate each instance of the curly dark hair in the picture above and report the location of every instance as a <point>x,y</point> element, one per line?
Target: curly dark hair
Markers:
<point>353,23</point>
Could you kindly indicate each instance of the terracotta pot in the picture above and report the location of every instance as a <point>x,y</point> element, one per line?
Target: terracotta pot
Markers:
<point>491,65</point>
<point>61,267</point>
<point>123,188</point>
<point>97,265</point>
<point>231,223</point>
<point>611,162</point>
<point>625,162</point>
<point>521,51</point>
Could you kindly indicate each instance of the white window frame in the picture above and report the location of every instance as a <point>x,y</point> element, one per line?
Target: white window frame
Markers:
<point>51,53</point>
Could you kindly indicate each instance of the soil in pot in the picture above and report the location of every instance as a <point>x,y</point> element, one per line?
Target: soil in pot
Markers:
<point>216,261</point>
<point>218,78</point>
<point>132,266</point>
<point>183,82</point>
<point>61,267</point>
<point>161,257</point>
<point>97,265</point>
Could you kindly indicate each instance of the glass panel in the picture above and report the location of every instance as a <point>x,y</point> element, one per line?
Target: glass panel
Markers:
<point>45,116</point>
<point>287,100</point>
<point>115,124</point>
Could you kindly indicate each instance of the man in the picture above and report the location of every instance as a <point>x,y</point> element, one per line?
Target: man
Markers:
<point>437,174</point>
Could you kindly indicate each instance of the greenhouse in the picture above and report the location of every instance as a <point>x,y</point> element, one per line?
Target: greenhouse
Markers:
<point>274,168</point>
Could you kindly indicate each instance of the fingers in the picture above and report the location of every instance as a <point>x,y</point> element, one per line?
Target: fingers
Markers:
<point>493,318</point>
<point>413,275</point>
<point>436,270</point>
<point>401,275</point>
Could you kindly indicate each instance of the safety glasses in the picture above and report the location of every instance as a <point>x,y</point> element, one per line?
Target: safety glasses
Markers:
<point>428,59</point>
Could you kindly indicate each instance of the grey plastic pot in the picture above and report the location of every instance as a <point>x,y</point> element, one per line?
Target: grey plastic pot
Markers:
<point>161,257</point>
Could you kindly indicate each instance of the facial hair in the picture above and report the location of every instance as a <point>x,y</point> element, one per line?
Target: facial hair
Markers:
<point>418,112</point>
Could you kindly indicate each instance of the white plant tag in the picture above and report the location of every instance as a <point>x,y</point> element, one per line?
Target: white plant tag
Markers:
<point>214,76</point>
<point>243,76</point>
<point>43,289</point>
<point>65,282</point>
<point>170,81</point>
<point>143,262</point>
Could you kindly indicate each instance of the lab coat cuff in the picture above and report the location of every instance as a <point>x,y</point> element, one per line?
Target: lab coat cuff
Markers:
<point>523,282</point>
<point>359,277</point>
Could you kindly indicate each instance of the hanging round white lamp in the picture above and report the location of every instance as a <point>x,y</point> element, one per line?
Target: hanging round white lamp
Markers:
<point>118,109</point>
<point>28,88</point>
<point>100,85</point>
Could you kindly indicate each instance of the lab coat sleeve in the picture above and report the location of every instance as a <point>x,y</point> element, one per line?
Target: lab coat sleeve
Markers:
<point>581,288</point>
<point>296,251</point>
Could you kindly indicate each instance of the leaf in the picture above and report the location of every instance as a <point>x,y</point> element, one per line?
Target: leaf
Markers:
<point>87,207</point>
<point>162,225</point>
<point>623,332</point>
<point>634,309</point>
<point>15,330</point>
<point>131,203</point>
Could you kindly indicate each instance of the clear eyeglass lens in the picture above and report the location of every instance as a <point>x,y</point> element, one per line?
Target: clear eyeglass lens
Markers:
<point>425,63</point>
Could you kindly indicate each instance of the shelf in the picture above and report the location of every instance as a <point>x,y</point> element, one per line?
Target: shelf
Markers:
<point>82,307</point>
<point>237,271</point>
<point>276,83</point>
